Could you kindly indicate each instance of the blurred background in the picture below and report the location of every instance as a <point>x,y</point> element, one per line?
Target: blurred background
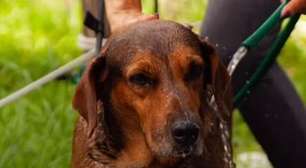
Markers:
<point>37,36</point>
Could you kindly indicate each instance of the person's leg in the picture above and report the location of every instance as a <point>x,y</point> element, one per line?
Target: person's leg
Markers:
<point>273,111</point>
<point>276,116</point>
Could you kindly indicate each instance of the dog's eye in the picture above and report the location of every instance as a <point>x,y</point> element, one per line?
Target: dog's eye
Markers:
<point>195,71</point>
<point>141,80</point>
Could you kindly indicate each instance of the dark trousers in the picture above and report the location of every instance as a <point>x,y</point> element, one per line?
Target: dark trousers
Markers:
<point>274,112</point>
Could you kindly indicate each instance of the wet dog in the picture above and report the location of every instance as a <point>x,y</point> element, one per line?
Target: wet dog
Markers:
<point>145,102</point>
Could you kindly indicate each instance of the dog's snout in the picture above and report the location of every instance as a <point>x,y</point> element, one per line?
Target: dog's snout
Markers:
<point>185,133</point>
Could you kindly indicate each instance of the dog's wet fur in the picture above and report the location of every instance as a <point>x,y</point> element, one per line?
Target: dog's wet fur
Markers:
<point>144,97</point>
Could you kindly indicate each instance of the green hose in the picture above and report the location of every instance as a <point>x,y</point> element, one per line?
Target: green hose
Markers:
<point>271,55</point>
<point>253,40</point>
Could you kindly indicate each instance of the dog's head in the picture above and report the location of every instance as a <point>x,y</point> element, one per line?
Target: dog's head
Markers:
<point>155,79</point>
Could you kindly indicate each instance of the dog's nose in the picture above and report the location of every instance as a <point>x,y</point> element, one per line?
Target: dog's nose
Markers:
<point>185,133</point>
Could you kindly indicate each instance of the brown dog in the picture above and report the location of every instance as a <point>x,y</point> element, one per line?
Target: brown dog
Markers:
<point>144,102</point>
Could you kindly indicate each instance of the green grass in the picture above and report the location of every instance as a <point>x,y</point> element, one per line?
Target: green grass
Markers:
<point>38,36</point>
<point>36,131</point>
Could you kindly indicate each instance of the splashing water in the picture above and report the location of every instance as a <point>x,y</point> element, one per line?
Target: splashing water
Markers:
<point>228,159</point>
<point>225,136</point>
<point>240,53</point>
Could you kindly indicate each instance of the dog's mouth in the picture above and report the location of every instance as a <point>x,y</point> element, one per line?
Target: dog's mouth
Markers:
<point>185,152</point>
<point>182,152</point>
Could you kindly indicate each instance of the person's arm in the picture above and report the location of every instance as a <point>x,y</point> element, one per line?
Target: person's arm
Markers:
<point>123,12</point>
<point>294,7</point>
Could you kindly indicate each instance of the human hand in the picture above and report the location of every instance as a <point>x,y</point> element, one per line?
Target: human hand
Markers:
<point>121,13</point>
<point>294,7</point>
<point>124,18</point>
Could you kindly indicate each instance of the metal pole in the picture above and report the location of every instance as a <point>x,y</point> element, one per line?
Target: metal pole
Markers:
<point>156,6</point>
<point>100,33</point>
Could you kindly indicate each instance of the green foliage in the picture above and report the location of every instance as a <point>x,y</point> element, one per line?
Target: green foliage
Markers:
<point>37,130</point>
<point>293,57</point>
<point>39,35</point>
<point>178,10</point>
<point>36,38</point>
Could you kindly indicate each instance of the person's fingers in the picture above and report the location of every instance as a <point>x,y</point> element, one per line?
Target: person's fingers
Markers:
<point>124,20</point>
<point>140,18</point>
<point>294,7</point>
<point>147,17</point>
<point>289,9</point>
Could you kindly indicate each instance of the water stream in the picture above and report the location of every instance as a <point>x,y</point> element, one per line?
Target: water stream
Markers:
<point>237,57</point>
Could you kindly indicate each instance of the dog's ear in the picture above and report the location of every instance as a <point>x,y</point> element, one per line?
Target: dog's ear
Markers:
<point>91,101</point>
<point>86,99</point>
<point>217,84</point>
<point>217,78</point>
